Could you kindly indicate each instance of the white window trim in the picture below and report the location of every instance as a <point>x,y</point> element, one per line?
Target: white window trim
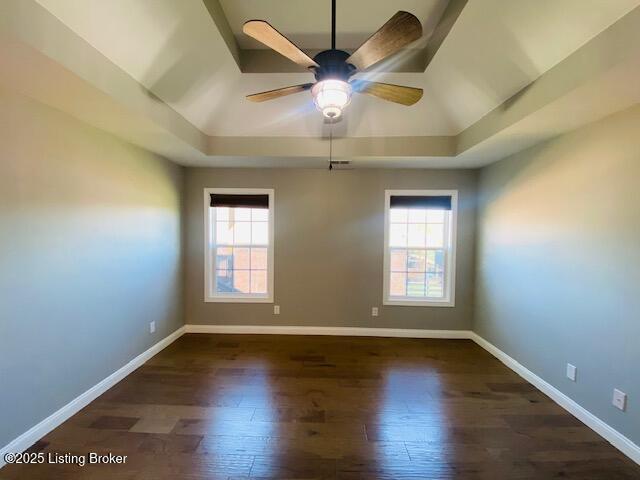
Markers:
<point>450,268</point>
<point>209,276</point>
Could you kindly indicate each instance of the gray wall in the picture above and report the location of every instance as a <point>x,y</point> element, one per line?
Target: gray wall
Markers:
<point>558,270</point>
<point>329,229</point>
<point>90,253</point>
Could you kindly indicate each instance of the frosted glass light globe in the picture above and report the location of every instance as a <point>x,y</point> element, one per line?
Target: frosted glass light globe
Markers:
<point>331,97</point>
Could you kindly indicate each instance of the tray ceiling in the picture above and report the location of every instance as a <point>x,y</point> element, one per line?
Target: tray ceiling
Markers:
<point>175,50</point>
<point>171,77</point>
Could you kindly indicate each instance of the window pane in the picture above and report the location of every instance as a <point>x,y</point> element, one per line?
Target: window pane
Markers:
<point>242,214</point>
<point>222,213</point>
<point>397,284</point>
<point>398,235</point>
<point>417,215</point>
<point>259,258</point>
<point>259,233</point>
<point>242,233</point>
<point>435,216</point>
<point>435,285</point>
<point>415,284</point>
<point>224,281</point>
<point>224,233</point>
<point>435,261</point>
<point>431,260</point>
<point>259,214</point>
<point>398,260</point>
<point>416,235</point>
<point>435,235</point>
<point>416,261</point>
<point>241,281</point>
<point>258,281</point>
<point>241,259</point>
<point>224,258</point>
<point>398,215</point>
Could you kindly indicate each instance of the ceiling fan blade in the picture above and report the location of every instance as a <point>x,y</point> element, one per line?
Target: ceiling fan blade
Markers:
<point>266,34</point>
<point>278,92</point>
<point>399,31</point>
<point>387,91</point>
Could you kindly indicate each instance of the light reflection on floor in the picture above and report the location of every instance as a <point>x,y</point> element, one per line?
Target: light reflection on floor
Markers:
<point>409,414</point>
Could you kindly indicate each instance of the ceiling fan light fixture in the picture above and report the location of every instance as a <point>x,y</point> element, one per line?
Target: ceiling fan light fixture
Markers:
<point>331,96</point>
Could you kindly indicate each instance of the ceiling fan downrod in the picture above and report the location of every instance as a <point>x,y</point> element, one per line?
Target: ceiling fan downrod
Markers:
<point>333,24</point>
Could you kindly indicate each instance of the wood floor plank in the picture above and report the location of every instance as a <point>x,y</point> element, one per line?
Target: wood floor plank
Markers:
<point>282,407</point>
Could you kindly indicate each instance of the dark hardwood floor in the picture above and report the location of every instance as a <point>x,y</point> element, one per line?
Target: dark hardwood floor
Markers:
<point>286,407</point>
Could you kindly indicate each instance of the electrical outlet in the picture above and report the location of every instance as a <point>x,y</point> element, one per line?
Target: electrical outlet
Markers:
<point>152,327</point>
<point>374,311</point>
<point>571,372</point>
<point>276,309</point>
<point>619,399</point>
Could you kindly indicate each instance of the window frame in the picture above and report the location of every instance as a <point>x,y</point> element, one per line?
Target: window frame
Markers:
<point>450,264</point>
<point>210,249</point>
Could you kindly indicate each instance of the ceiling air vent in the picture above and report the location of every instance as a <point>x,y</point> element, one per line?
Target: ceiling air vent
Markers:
<point>340,164</point>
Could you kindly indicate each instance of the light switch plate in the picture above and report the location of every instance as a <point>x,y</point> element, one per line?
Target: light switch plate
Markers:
<point>619,399</point>
<point>571,372</point>
<point>152,327</point>
<point>374,311</point>
<point>276,309</point>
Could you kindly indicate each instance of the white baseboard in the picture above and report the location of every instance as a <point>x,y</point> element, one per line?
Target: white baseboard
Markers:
<point>618,440</point>
<point>338,331</point>
<point>38,431</point>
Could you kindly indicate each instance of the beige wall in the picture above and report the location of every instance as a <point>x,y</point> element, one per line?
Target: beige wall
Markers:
<point>90,253</point>
<point>558,256</point>
<point>329,230</point>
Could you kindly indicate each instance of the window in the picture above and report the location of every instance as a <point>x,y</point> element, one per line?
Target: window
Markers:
<point>419,250</point>
<point>238,245</point>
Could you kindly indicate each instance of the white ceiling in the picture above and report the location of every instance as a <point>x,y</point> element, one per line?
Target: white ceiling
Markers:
<point>174,49</point>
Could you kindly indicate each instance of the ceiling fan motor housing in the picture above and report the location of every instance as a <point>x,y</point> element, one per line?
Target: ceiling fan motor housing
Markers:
<point>333,65</point>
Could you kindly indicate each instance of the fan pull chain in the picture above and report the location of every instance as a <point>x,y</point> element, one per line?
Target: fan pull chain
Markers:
<point>330,146</point>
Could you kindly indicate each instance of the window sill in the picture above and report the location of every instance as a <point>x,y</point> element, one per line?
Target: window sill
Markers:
<point>418,303</point>
<point>238,300</point>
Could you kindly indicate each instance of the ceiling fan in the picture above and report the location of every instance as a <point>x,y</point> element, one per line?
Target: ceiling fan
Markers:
<point>333,68</point>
